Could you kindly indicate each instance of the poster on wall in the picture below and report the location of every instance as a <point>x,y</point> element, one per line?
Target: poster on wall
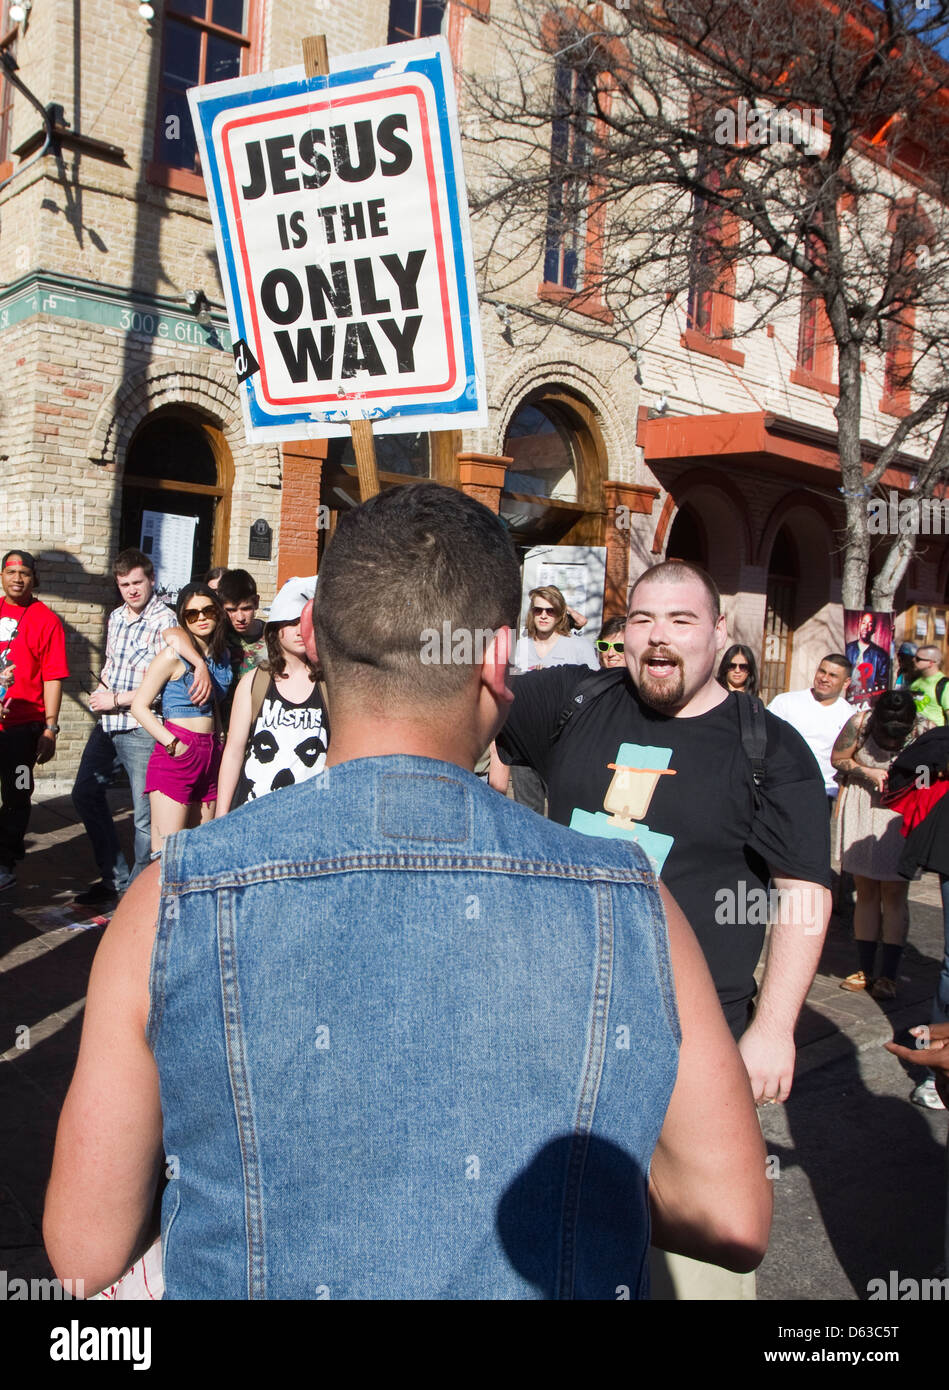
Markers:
<point>578,571</point>
<point>168,541</point>
<point>868,638</point>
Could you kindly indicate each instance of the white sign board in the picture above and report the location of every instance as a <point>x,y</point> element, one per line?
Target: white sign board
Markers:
<point>578,571</point>
<point>168,541</point>
<point>341,220</point>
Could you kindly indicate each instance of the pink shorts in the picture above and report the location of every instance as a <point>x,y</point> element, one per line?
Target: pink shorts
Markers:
<point>192,774</point>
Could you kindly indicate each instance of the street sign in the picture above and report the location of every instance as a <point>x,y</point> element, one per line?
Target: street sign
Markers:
<point>341,221</point>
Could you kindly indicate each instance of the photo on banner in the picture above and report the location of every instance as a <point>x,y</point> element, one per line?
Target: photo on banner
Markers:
<point>868,644</point>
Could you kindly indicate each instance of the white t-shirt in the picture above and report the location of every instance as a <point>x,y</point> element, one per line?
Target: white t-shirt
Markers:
<point>817,723</point>
<point>566,651</point>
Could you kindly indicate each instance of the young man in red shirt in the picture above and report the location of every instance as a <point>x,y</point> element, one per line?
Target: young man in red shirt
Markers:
<point>32,670</point>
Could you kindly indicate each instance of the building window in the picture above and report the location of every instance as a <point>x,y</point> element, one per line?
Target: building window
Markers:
<point>8,37</point>
<point>710,308</point>
<point>816,348</point>
<point>909,230</point>
<point>202,41</point>
<point>542,443</point>
<point>571,145</point>
<point>414,19</point>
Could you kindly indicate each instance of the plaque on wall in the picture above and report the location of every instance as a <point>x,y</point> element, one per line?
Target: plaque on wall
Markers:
<point>260,540</point>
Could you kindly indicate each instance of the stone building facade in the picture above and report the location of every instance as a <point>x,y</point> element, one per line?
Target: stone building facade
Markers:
<point>117,388</point>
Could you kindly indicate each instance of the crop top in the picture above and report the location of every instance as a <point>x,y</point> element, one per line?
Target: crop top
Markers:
<point>175,701</point>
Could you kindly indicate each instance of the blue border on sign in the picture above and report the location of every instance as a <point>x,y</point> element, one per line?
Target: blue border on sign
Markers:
<point>211,107</point>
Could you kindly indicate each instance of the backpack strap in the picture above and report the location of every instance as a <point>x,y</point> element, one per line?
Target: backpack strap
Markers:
<point>258,689</point>
<point>941,690</point>
<point>589,690</point>
<point>754,738</point>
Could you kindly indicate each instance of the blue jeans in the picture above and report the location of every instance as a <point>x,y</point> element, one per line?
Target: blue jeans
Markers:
<point>102,757</point>
<point>941,1001</point>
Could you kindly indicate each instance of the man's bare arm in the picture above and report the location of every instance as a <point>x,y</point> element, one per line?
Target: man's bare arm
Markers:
<point>797,939</point>
<point>709,1191</point>
<point>108,1153</point>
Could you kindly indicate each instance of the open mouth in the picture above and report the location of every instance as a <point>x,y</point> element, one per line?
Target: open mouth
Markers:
<point>661,666</point>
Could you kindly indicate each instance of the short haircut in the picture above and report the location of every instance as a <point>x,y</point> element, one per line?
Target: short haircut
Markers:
<point>611,627</point>
<point>416,560</point>
<point>237,586</point>
<point>132,559</point>
<point>675,572</point>
<point>549,593</point>
<point>838,659</point>
<point>929,653</point>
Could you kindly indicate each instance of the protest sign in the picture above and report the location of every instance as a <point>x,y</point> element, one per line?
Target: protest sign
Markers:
<point>341,220</point>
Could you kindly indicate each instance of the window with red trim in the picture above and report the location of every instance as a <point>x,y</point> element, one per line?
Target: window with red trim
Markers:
<point>568,198</point>
<point>816,347</point>
<point>202,41</point>
<point>414,19</point>
<point>6,88</point>
<point>573,251</point>
<point>710,308</point>
<point>907,229</point>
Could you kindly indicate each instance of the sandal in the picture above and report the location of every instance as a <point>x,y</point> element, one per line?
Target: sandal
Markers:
<point>855,982</point>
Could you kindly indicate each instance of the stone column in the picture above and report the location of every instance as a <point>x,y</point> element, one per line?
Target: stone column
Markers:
<point>300,507</point>
<point>482,476</point>
<point>623,501</point>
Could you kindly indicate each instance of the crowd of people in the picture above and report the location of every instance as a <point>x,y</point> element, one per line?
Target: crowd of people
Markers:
<point>164,703</point>
<point>490,1028</point>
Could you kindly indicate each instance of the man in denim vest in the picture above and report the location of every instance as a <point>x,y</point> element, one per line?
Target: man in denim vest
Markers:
<point>412,1040</point>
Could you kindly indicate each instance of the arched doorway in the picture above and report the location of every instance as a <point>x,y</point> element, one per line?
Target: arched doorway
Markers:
<point>687,539</point>
<point>178,475</point>
<point>553,489</point>
<point>780,614</point>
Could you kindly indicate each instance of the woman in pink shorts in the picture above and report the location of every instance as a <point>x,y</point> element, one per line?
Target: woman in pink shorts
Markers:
<point>182,772</point>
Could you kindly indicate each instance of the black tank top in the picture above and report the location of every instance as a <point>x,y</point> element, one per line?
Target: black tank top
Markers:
<point>287,744</point>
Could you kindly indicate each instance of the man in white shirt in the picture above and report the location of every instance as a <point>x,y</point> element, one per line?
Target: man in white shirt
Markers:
<point>819,714</point>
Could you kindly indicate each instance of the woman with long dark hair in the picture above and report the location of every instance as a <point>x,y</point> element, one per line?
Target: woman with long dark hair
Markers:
<point>279,731</point>
<point>869,838</point>
<point>738,670</point>
<point>182,771</point>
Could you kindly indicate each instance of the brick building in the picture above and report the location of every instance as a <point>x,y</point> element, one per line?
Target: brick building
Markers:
<point>118,388</point>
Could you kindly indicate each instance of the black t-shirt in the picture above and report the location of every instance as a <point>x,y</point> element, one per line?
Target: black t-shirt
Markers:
<point>683,790</point>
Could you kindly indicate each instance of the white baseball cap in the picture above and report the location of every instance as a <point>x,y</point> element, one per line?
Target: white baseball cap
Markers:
<point>290,602</point>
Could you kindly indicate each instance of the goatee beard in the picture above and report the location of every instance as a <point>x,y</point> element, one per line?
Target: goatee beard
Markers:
<point>663,694</point>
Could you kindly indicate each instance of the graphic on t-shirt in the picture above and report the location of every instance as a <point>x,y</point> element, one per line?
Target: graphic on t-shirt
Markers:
<point>8,627</point>
<point>636,774</point>
<point>288,746</point>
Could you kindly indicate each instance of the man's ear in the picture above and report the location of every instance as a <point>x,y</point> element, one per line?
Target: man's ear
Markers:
<point>307,631</point>
<point>721,633</point>
<point>494,669</point>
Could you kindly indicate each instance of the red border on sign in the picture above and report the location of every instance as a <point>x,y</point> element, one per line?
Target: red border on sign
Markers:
<point>436,224</point>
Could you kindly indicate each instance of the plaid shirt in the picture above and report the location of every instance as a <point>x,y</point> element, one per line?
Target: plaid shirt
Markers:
<point>133,640</point>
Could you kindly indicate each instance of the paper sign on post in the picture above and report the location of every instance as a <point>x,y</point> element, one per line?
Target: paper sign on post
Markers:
<point>341,221</point>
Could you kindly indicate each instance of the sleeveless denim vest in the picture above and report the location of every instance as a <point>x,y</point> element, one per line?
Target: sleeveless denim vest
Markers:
<point>413,1041</point>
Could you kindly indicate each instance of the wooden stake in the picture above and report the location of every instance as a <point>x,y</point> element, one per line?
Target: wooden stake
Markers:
<point>316,63</point>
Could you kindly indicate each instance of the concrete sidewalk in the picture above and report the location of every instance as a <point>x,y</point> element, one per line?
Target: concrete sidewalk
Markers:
<point>46,950</point>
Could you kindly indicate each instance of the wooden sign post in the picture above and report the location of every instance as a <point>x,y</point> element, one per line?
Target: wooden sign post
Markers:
<point>316,63</point>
